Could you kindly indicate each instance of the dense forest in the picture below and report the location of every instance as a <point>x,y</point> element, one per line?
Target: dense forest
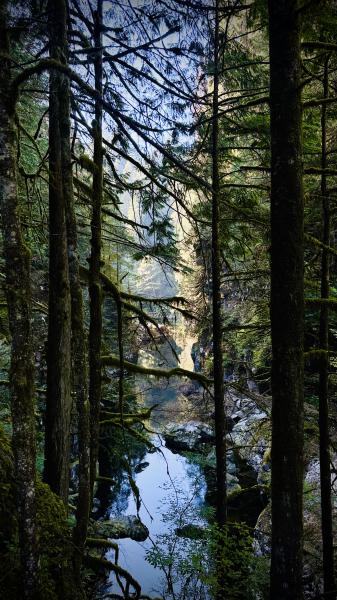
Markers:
<point>168,295</point>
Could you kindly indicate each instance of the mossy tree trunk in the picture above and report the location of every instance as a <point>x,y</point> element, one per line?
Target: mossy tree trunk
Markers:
<point>78,339</point>
<point>218,372</point>
<point>95,292</point>
<point>80,384</point>
<point>287,300</point>
<point>58,408</point>
<point>18,295</point>
<point>324,436</point>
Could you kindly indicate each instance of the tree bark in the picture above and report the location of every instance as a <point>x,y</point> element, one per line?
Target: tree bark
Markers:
<point>95,290</point>
<point>287,300</point>
<point>78,339</point>
<point>218,373</point>
<point>18,296</point>
<point>324,436</point>
<point>58,403</point>
<point>80,385</point>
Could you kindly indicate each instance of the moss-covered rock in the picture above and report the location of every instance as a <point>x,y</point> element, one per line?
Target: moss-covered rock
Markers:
<point>128,526</point>
<point>7,508</point>
<point>247,504</point>
<point>8,525</point>
<point>53,533</point>
<point>55,579</point>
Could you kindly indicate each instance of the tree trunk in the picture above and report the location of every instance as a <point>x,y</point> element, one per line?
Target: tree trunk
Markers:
<point>95,292</point>
<point>287,301</point>
<point>18,296</point>
<point>218,374</point>
<point>80,385</point>
<point>324,437</point>
<point>78,340</point>
<point>58,409</point>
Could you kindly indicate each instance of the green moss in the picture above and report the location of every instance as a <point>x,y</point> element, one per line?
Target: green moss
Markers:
<point>311,428</point>
<point>7,506</point>
<point>54,543</point>
<point>267,456</point>
<point>53,537</point>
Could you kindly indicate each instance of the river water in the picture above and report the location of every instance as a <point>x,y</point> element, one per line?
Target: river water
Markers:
<point>171,488</point>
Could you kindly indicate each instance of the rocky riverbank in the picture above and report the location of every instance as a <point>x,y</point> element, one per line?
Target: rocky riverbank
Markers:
<point>248,454</point>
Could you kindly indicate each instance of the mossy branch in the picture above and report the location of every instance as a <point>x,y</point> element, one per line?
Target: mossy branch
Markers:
<point>37,306</point>
<point>101,543</point>
<point>116,420</point>
<point>162,300</point>
<point>134,433</point>
<point>111,287</point>
<point>319,102</point>
<point>113,361</point>
<point>82,186</point>
<point>142,415</point>
<point>139,312</point>
<point>101,478</point>
<point>138,417</point>
<point>314,357</point>
<point>97,562</point>
<point>317,171</point>
<point>320,244</point>
<point>136,298</point>
<point>86,163</point>
<point>319,302</point>
<point>248,326</point>
<point>319,46</point>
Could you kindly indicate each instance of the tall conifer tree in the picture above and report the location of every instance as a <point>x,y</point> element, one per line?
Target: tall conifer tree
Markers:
<point>287,300</point>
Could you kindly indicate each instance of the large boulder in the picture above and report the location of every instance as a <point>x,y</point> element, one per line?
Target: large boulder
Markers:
<point>247,504</point>
<point>128,526</point>
<point>188,437</point>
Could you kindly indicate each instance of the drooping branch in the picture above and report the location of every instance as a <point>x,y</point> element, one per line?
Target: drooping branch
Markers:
<point>119,118</point>
<point>133,161</point>
<point>110,286</point>
<point>113,361</point>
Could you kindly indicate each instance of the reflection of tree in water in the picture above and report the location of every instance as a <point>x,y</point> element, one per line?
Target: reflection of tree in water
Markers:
<point>120,453</point>
<point>118,457</point>
<point>180,551</point>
